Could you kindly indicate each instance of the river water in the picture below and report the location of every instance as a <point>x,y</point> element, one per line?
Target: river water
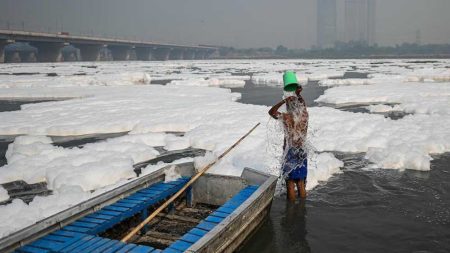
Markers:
<point>358,210</point>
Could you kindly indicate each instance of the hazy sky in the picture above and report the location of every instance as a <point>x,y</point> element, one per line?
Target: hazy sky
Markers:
<point>239,23</point>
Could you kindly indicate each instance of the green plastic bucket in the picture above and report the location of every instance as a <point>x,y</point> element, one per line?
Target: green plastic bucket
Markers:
<point>290,81</point>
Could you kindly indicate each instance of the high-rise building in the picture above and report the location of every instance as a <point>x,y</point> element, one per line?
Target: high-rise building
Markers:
<point>326,23</point>
<point>360,21</point>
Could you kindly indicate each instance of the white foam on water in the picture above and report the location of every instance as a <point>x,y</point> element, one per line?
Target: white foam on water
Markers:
<point>212,82</point>
<point>105,101</point>
<point>154,167</point>
<point>381,108</point>
<point>34,159</point>
<point>3,194</point>
<point>345,82</point>
<point>322,167</point>
<point>176,143</point>
<point>422,135</point>
<point>171,174</point>
<point>419,98</point>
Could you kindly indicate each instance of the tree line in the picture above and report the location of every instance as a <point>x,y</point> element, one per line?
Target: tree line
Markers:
<point>352,49</point>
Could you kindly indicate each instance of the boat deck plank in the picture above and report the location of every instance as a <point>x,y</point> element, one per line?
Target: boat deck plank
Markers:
<point>80,236</point>
<point>211,221</point>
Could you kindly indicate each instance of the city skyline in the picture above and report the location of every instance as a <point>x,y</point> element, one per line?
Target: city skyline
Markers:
<point>326,23</point>
<point>360,21</point>
<point>253,23</point>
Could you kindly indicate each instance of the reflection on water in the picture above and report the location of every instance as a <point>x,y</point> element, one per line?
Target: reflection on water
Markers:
<point>363,210</point>
<point>363,108</point>
<point>14,105</point>
<point>267,95</point>
<point>284,231</point>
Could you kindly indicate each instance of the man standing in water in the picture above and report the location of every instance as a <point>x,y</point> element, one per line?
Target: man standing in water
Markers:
<point>295,122</point>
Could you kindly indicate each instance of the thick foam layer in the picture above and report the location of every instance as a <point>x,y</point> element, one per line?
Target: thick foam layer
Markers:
<point>104,102</point>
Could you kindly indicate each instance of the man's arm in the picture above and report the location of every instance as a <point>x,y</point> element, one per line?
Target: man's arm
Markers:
<point>274,110</point>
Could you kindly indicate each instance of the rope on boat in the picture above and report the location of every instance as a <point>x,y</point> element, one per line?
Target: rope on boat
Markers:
<point>189,183</point>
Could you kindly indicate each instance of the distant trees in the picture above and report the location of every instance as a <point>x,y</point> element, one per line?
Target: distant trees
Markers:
<point>281,50</point>
<point>352,49</point>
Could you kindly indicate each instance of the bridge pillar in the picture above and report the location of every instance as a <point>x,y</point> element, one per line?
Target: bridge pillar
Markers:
<point>32,57</point>
<point>13,57</point>
<point>28,57</point>
<point>89,52</point>
<point>189,54</point>
<point>71,53</point>
<point>70,56</point>
<point>177,54</point>
<point>49,52</point>
<point>200,55</point>
<point>3,44</point>
<point>162,54</point>
<point>133,54</point>
<point>212,53</point>
<point>144,54</point>
<point>122,53</point>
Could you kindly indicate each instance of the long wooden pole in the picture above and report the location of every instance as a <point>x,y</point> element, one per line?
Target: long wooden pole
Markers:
<point>189,183</point>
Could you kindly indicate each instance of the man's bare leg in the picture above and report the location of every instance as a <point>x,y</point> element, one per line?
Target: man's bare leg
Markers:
<point>290,185</point>
<point>301,188</point>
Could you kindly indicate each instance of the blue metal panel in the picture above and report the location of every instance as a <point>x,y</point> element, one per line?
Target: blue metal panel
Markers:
<point>84,224</point>
<point>211,221</point>
<point>135,197</point>
<point>76,229</point>
<point>144,215</point>
<point>125,205</point>
<point>180,245</point>
<point>108,212</point>
<point>47,244</point>
<point>68,234</point>
<point>115,247</point>
<point>127,248</point>
<point>231,205</point>
<point>92,220</point>
<point>30,249</point>
<point>145,196</point>
<point>150,192</point>
<point>131,201</point>
<point>82,241</point>
<point>81,247</point>
<point>170,250</point>
<point>189,197</point>
<point>219,214</point>
<point>162,187</point>
<point>214,219</point>
<point>173,183</point>
<point>225,210</point>
<point>190,238</point>
<point>197,231</point>
<point>116,208</point>
<point>105,246</point>
<point>206,225</point>
<point>79,236</point>
<point>238,200</point>
<point>142,249</point>
<point>99,216</point>
<point>96,245</point>
<point>57,238</point>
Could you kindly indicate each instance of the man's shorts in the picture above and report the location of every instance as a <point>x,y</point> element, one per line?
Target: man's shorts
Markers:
<point>295,165</point>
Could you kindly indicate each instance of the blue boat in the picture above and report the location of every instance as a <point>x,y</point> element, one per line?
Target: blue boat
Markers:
<point>216,214</point>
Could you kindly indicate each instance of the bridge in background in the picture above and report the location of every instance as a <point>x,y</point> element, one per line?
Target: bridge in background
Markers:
<point>50,48</point>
